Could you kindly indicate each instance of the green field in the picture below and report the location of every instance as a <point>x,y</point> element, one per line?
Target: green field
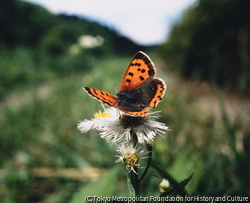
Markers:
<point>43,66</point>
<point>45,158</point>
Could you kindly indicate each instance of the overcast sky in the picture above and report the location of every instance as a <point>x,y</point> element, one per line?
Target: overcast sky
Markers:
<point>145,22</point>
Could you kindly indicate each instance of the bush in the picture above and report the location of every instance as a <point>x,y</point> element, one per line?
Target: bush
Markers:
<point>211,43</point>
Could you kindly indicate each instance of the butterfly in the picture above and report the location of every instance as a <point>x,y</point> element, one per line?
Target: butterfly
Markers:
<point>139,90</point>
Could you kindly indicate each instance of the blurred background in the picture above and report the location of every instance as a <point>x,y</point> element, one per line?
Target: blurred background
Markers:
<point>48,53</point>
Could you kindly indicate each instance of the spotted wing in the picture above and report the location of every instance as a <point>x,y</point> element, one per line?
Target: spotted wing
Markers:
<point>140,69</point>
<point>145,96</point>
<point>102,96</point>
<point>159,93</point>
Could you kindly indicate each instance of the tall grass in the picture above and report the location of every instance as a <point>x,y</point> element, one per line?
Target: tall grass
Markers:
<point>24,67</point>
<point>40,133</point>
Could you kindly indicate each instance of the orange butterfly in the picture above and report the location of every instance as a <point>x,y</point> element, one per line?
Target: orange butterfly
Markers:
<point>138,89</point>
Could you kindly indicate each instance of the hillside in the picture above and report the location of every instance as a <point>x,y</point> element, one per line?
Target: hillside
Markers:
<point>37,46</point>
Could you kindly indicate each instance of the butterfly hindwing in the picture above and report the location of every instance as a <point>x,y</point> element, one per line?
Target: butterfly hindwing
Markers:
<point>160,87</point>
<point>140,69</point>
<point>146,95</point>
<point>100,95</point>
<point>138,113</point>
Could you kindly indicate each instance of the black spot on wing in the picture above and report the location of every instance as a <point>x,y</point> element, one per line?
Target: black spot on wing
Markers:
<point>93,91</point>
<point>142,78</point>
<point>136,64</point>
<point>146,59</point>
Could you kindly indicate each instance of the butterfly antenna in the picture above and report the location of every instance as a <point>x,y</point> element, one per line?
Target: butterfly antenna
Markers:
<point>115,88</point>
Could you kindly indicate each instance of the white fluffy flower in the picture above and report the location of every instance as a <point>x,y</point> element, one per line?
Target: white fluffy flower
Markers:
<point>130,155</point>
<point>100,119</point>
<point>117,127</point>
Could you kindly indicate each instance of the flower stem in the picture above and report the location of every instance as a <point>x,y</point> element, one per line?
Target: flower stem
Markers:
<point>134,177</point>
<point>149,147</point>
<point>135,181</point>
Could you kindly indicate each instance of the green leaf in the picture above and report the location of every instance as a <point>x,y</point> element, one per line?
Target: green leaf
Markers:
<point>174,190</point>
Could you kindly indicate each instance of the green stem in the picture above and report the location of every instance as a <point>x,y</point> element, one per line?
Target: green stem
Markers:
<point>150,151</point>
<point>133,175</point>
<point>135,181</point>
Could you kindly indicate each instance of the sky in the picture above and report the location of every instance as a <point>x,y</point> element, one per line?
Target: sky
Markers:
<point>145,22</point>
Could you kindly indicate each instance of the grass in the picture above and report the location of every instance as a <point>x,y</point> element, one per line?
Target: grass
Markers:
<point>38,131</point>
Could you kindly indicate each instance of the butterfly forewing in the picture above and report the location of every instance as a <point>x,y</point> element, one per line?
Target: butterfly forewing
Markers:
<point>100,95</point>
<point>140,69</point>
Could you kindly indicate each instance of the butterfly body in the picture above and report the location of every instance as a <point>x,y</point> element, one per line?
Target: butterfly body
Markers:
<point>139,89</point>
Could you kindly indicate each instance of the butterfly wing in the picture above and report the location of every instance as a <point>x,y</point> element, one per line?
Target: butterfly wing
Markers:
<point>140,69</point>
<point>138,113</point>
<point>102,96</point>
<point>160,87</point>
<point>138,89</point>
<point>145,96</point>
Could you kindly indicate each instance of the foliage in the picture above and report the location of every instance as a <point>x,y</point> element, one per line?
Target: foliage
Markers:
<point>26,24</point>
<point>211,42</point>
<point>215,144</point>
<point>38,130</point>
<point>42,101</point>
<point>21,67</point>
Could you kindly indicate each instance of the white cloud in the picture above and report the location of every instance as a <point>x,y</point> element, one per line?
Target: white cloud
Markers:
<point>145,22</point>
